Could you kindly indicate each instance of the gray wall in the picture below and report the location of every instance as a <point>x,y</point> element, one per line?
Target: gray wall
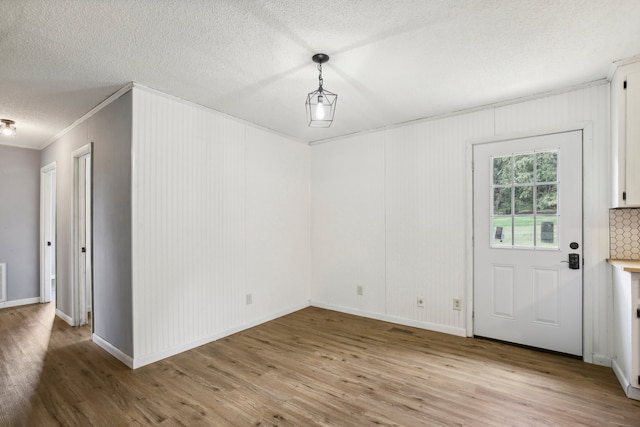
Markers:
<point>19,220</point>
<point>60,152</point>
<point>110,132</point>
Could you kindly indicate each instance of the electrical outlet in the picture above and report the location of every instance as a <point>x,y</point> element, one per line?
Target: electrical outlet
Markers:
<point>359,290</point>
<point>249,299</point>
<point>420,302</point>
<point>457,304</point>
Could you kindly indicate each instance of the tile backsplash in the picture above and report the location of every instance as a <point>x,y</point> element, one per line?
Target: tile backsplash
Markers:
<point>624,233</point>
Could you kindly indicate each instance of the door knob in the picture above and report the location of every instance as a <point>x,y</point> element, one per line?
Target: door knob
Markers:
<point>574,261</point>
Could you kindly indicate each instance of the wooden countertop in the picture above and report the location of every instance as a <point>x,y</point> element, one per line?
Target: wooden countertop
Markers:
<point>632,266</point>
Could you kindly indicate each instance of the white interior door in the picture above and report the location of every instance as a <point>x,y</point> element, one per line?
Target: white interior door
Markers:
<point>48,232</point>
<point>527,222</point>
<point>88,257</point>
<point>82,235</point>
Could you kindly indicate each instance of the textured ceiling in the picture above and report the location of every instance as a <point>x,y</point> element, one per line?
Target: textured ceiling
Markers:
<point>392,61</point>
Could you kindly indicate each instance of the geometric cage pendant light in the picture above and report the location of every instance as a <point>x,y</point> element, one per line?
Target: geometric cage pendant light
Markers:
<point>320,104</point>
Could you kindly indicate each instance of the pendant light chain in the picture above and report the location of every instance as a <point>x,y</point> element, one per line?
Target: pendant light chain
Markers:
<point>320,76</point>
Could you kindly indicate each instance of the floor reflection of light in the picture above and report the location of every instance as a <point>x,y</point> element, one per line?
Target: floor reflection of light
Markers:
<point>25,335</point>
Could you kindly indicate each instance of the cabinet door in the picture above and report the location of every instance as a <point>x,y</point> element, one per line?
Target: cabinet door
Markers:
<point>632,160</point>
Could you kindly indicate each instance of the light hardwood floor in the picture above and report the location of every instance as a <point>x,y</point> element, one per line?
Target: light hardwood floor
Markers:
<point>313,367</point>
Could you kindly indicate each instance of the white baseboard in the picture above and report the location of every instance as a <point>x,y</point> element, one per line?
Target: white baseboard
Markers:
<point>154,357</point>
<point>461,332</point>
<point>64,317</point>
<point>630,391</point>
<point>113,350</point>
<point>633,393</point>
<point>17,302</point>
<point>601,360</point>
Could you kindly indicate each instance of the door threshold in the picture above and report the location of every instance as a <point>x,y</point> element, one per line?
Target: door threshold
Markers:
<point>529,347</point>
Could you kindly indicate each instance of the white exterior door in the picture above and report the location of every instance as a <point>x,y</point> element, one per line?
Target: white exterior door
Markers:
<point>527,227</point>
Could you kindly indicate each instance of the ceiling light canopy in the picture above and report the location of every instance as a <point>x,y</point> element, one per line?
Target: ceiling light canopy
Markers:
<point>8,127</point>
<point>321,104</point>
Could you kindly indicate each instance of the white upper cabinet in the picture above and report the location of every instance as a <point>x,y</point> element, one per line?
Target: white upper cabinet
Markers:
<point>625,126</point>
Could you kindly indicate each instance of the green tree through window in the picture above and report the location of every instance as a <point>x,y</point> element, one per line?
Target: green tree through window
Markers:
<point>524,187</point>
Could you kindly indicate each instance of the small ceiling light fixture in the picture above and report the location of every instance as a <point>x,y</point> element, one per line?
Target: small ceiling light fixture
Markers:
<point>8,127</point>
<point>321,104</point>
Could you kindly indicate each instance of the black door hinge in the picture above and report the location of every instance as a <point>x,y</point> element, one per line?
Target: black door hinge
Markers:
<point>638,312</point>
<point>624,85</point>
<point>624,195</point>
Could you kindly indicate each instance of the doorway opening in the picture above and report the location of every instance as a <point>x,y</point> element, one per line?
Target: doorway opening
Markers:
<point>48,233</point>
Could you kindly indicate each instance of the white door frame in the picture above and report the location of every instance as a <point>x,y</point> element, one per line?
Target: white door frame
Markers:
<point>79,292</point>
<point>47,208</point>
<point>587,294</point>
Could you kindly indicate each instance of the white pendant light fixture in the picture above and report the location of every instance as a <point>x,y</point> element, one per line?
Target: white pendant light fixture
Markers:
<point>8,127</point>
<point>321,104</point>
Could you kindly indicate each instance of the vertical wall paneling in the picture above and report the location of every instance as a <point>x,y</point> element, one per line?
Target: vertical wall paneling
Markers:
<point>426,211</point>
<point>277,224</point>
<point>348,224</point>
<point>200,180</point>
<point>188,223</point>
<point>426,232</point>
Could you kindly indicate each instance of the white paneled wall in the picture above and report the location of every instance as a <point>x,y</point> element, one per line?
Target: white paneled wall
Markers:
<point>277,218</point>
<point>426,218</point>
<point>204,204</point>
<point>348,233</point>
<point>408,186</point>
<point>222,209</point>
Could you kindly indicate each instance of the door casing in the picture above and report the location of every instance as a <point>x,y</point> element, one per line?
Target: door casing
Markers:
<point>587,309</point>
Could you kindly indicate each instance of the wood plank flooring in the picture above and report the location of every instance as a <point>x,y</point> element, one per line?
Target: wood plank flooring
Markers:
<point>313,367</point>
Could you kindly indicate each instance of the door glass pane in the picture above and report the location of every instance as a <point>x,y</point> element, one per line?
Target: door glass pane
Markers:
<point>502,201</point>
<point>502,170</point>
<point>547,231</point>
<point>523,231</point>
<point>523,168</point>
<point>524,186</point>
<point>523,200</point>
<point>547,199</point>
<point>501,235</point>
<point>547,166</point>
